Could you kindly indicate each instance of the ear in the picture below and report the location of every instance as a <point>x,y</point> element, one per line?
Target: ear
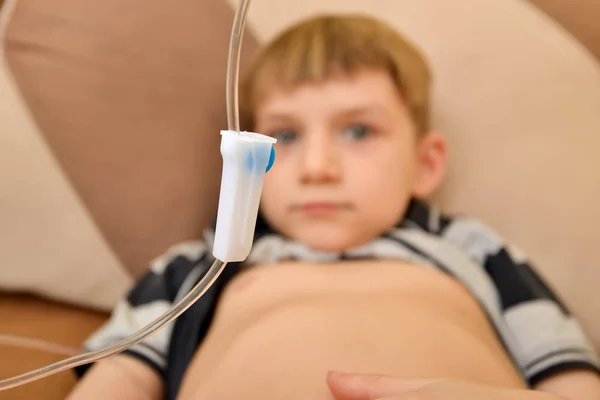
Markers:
<point>431,164</point>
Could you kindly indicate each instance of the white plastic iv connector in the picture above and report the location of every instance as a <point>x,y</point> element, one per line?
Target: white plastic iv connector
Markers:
<point>246,157</point>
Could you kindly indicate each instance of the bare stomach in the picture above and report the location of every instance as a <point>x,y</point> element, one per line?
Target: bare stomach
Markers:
<point>279,329</point>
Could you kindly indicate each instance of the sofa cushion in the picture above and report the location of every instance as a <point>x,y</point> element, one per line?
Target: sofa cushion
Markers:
<point>130,97</point>
<point>49,244</point>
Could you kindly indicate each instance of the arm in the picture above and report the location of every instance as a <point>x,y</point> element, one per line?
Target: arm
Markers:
<point>572,385</point>
<point>119,378</point>
<point>552,348</point>
<point>379,387</point>
<point>139,370</point>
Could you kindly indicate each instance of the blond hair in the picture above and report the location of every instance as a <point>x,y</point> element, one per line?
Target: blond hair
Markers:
<point>322,47</point>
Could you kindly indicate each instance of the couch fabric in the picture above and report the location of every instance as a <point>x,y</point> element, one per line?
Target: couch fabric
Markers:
<point>57,323</point>
<point>110,152</point>
<point>48,243</point>
<point>579,17</point>
<point>129,96</point>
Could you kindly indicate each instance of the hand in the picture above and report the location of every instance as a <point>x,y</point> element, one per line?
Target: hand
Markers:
<point>378,387</point>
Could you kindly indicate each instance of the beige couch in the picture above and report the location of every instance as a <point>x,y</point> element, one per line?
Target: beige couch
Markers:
<point>109,148</point>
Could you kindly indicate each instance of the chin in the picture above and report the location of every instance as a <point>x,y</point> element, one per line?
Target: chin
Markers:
<point>327,246</point>
<point>331,241</point>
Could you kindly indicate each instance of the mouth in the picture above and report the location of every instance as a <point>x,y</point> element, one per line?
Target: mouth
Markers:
<point>317,208</point>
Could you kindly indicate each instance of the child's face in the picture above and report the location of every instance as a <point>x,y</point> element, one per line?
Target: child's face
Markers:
<point>348,160</point>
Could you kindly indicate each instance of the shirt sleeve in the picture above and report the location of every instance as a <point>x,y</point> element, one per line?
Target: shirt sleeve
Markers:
<point>548,338</point>
<point>169,278</point>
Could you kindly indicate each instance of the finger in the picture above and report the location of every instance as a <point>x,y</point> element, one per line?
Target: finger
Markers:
<point>410,395</point>
<point>371,386</point>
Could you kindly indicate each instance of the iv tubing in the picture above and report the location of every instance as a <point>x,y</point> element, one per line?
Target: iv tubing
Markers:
<point>190,298</point>
<point>233,67</point>
<point>36,344</point>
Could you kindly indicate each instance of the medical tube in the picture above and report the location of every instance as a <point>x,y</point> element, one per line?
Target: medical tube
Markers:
<point>39,345</point>
<point>205,283</point>
<point>86,358</point>
<point>233,67</point>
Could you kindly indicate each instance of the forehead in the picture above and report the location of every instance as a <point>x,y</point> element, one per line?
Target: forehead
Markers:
<point>363,89</point>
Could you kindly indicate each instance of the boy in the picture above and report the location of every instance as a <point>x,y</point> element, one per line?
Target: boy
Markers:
<point>368,278</point>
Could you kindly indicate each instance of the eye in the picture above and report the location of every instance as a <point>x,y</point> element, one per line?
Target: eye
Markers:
<point>357,131</point>
<point>285,136</point>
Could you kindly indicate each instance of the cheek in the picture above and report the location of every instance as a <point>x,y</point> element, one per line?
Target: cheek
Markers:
<point>382,185</point>
<point>382,171</point>
<point>272,195</point>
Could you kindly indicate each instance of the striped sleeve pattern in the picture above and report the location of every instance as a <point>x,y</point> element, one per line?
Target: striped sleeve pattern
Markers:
<point>169,278</point>
<point>546,337</point>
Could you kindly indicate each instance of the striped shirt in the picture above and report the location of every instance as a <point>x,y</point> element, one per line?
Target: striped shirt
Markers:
<point>531,322</point>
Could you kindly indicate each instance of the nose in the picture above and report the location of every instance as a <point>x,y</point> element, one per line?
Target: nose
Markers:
<point>320,160</point>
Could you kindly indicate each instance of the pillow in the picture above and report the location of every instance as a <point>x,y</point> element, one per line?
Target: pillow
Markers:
<point>130,100</point>
<point>49,245</point>
<point>519,107</point>
<point>109,140</point>
<point>579,18</point>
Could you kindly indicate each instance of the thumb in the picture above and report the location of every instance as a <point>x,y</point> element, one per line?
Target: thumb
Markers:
<point>370,386</point>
